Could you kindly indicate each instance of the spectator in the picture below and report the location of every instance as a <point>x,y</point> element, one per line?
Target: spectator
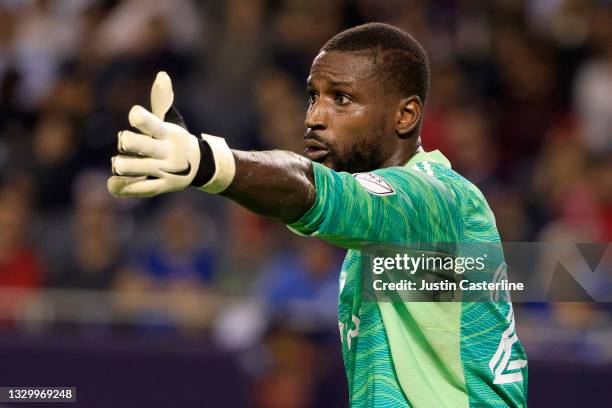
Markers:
<point>90,254</point>
<point>303,279</point>
<point>180,253</point>
<point>593,88</point>
<point>20,263</point>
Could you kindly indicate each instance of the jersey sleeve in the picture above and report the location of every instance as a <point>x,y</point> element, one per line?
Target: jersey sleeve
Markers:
<point>391,205</point>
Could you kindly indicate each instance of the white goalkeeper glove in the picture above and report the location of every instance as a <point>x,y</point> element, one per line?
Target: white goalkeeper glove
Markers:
<point>165,157</point>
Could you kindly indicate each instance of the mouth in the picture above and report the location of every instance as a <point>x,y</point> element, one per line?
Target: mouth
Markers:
<point>314,150</point>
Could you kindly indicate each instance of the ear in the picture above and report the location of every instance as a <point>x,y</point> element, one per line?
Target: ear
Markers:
<point>408,116</point>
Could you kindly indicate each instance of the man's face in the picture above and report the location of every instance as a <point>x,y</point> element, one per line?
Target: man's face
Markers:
<point>350,115</point>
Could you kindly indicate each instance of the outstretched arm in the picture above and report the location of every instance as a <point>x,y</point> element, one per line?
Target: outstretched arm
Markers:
<point>165,157</point>
<point>335,206</point>
<point>277,184</point>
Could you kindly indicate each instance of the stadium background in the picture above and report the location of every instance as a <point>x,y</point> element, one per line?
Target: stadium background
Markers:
<point>189,300</point>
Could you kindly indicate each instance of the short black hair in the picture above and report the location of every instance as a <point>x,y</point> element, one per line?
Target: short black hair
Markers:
<point>404,64</point>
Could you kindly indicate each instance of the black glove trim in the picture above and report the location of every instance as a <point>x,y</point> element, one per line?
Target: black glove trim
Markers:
<point>206,170</point>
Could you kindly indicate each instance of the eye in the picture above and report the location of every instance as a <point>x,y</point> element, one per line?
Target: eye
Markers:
<point>342,99</point>
<point>312,97</point>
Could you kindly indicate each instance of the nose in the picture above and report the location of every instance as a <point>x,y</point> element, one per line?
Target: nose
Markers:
<point>316,117</point>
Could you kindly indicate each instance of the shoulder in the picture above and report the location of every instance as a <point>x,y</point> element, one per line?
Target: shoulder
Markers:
<point>422,179</point>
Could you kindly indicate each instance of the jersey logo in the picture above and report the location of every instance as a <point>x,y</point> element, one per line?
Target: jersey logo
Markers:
<point>183,172</point>
<point>350,334</point>
<point>374,184</point>
<point>426,168</point>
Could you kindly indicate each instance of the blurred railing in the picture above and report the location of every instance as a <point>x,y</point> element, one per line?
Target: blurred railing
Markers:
<point>562,331</point>
<point>31,307</point>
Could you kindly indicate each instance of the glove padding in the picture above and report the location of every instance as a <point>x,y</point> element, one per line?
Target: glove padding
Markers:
<point>165,157</point>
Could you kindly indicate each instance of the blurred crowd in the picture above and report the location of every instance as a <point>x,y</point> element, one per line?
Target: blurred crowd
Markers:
<point>521,103</point>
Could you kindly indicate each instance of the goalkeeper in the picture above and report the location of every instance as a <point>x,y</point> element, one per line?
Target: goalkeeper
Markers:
<point>364,179</point>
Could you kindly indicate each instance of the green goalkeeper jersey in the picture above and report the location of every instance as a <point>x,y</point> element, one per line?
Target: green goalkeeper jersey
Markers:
<point>416,354</point>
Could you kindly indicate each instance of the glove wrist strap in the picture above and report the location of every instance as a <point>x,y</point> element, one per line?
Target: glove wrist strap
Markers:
<point>217,165</point>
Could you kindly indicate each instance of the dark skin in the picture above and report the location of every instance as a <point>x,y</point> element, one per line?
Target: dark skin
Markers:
<point>354,123</point>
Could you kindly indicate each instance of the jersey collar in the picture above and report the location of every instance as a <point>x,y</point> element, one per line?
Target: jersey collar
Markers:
<point>433,156</point>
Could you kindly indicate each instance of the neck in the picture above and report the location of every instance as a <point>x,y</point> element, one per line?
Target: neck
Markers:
<point>401,156</point>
